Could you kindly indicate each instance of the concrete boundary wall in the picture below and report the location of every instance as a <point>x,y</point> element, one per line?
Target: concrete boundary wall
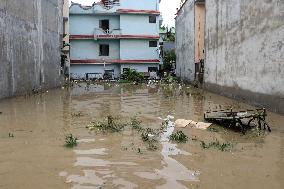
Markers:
<point>245,51</point>
<point>30,45</point>
<point>185,66</point>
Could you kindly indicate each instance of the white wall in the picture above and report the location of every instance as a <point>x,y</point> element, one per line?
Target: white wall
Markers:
<point>79,71</point>
<point>140,4</point>
<point>138,25</point>
<point>86,24</point>
<point>89,49</point>
<point>132,49</point>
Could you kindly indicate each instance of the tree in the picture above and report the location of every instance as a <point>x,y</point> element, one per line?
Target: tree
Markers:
<point>169,60</point>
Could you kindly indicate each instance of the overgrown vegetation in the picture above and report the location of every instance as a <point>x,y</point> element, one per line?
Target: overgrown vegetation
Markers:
<point>109,124</point>
<point>169,80</point>
<point>170,34</point>
<point>178,137</point>
<point>169,59</point>
<point>131,75</point>
<point>70,141</point>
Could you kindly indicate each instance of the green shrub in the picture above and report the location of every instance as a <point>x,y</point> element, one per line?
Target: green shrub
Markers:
<point>70,141</point>
<point>179,137</point>
<point>131,75</point>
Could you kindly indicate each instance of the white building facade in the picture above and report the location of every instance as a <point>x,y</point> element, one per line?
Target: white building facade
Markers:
<point>113,35</point>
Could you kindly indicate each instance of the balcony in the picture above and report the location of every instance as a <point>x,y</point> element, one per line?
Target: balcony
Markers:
<point>106,34</point>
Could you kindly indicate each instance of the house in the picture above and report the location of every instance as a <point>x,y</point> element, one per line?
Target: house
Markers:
<point>114,35</point>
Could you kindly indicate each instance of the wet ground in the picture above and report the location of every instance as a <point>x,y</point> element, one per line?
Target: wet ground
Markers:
<point>33,129</point>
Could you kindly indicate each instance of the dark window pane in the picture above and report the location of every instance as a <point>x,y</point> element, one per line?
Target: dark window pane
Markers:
<point>104,24</point>
<point>152,19</point>
<point>153,43</point>
<point>104,50</point>
<point>152,69</point>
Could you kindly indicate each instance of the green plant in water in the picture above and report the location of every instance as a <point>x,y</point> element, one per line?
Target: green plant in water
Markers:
<point>70,141</point>
<point>136,124</point>
<point>178,137</point>
<point>110,124</point>
<point>217,145</point>
<point>77,114</point>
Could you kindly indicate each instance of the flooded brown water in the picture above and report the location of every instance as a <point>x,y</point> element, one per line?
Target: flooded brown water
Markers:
<point>36,157</point>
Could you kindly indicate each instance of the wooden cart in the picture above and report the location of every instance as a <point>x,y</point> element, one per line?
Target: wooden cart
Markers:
<point>242,119</point>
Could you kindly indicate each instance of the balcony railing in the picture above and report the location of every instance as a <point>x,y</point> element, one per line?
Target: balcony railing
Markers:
<point>100,33</point>
<point>108,4</point>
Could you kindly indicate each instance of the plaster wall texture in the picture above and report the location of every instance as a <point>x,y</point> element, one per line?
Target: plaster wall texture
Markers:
<point>138,24</point>
<point>185,64</point>
<point>79,71</point>
<point>132,49</point>
<point>245,50</point>
<point>86,24</point>
<point>30,45</point>
<point>140,4</point>
<point>89,49</point>
<point>139,67</point>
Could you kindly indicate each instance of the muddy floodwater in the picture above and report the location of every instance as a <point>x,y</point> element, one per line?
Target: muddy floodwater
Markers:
<point>33,129</point>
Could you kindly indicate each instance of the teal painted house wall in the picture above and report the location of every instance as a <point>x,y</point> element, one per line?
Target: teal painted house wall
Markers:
<point>128,37</point>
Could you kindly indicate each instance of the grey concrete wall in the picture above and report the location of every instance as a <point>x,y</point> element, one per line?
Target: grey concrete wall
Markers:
<point>185,65</point>
<point>30,45</point>
<point>245,50</point>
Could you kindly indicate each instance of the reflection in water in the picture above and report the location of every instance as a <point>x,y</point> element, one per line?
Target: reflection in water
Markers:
<point>172,170</point>
<point>40,123</point>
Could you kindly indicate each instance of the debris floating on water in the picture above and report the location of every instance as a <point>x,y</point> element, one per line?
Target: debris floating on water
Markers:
<point>241,119</point>
<point>182,123</point>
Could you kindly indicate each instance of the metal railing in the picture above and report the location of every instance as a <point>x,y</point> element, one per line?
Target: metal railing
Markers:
<point>109,33</point>
<point>108,4</point>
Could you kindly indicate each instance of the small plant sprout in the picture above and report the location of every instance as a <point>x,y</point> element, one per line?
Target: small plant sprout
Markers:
<point>70,141</point>
<point>178,137</point>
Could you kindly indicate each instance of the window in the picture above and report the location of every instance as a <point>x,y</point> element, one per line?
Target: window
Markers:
<point>152,69</point>
<point>153,43</point>
<point>104,50</point>
<point>104,24</point>
<point>126,70</point>
<point>152,19</point>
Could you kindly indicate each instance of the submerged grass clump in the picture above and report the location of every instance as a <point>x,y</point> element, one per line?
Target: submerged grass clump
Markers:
<point>110,124</point>
<point>217,145</point>
<point>70,141</point>
<point>178,137</point>
<point>77,114</point>
<point>136,124</point>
